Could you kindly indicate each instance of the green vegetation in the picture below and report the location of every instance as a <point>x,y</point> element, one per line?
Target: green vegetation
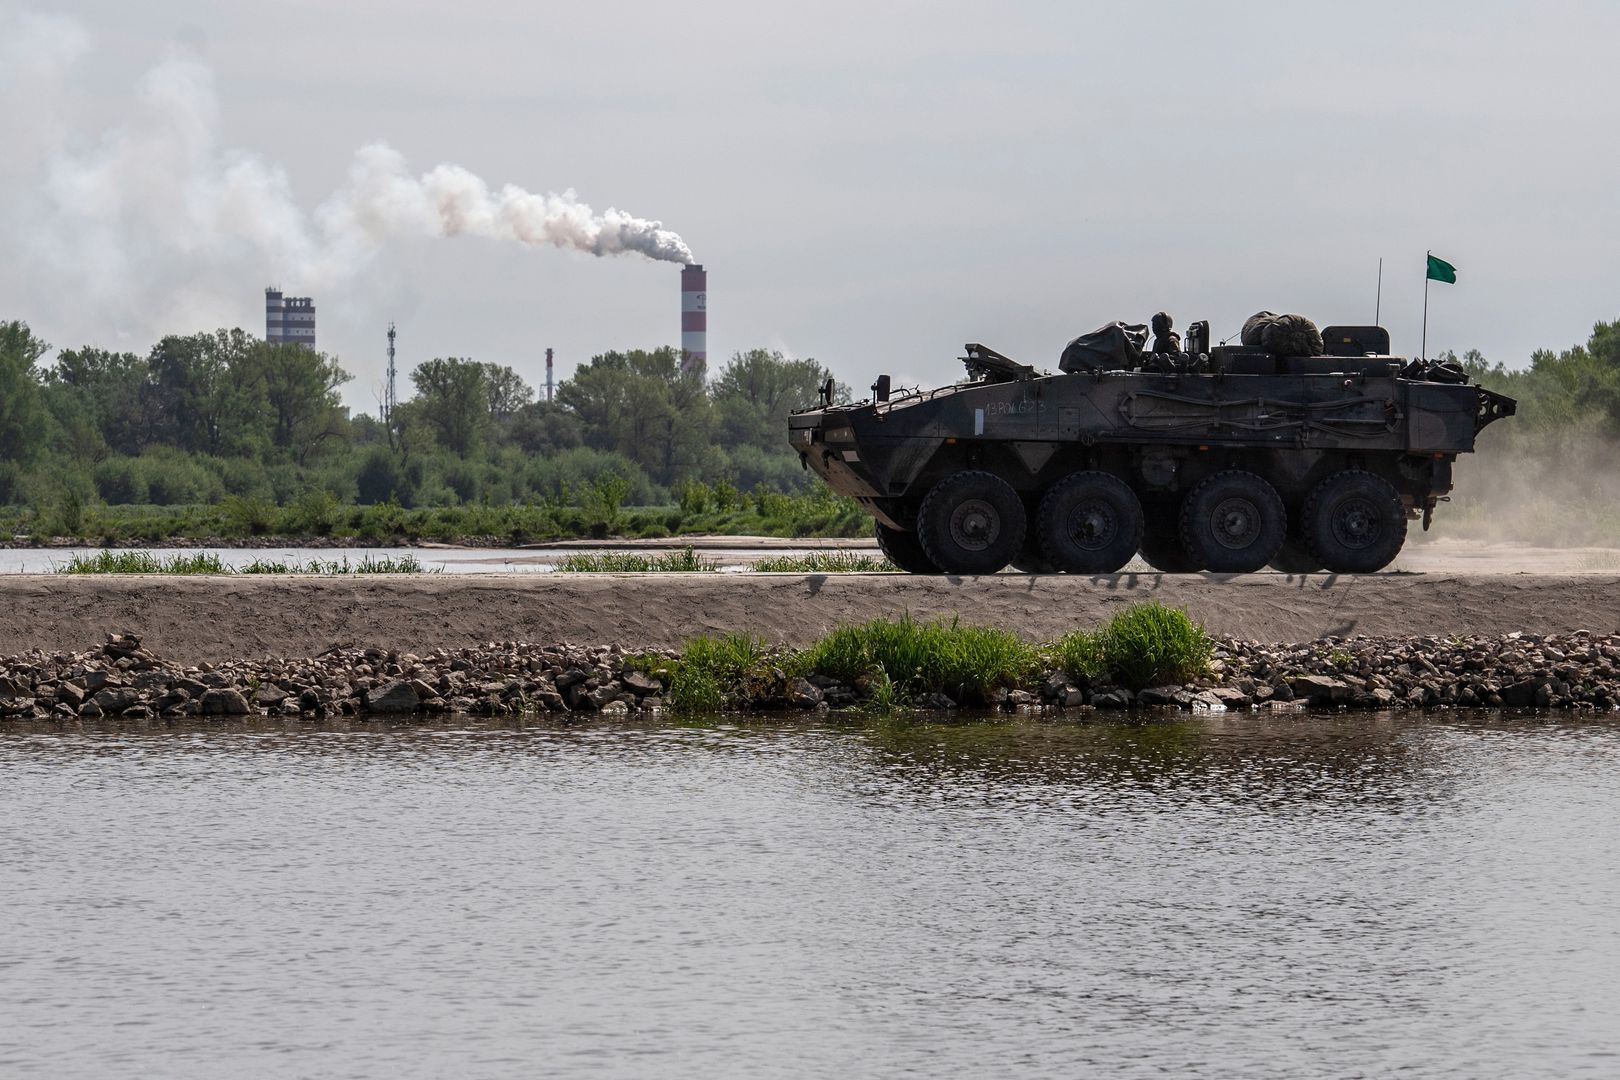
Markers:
<point>712,670</point>
<point>368,564</point>
<point>1143,645</point>
<point>825,562</point>
<point>969,663</point>
<point>684,561</point>
<point>893,662</point>
<point>762,513</point>
<point>144,562</point>
<point>223,435</point>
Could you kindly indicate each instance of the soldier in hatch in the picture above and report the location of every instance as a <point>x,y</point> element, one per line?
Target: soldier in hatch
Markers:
<point>1165,340</point>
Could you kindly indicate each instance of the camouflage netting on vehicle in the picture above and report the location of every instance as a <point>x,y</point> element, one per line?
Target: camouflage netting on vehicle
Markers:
<point>1115,347</point>
<point>1282,335</point>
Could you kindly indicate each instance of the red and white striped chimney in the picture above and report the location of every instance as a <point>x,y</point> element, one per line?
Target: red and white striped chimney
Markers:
<point>694,317</point>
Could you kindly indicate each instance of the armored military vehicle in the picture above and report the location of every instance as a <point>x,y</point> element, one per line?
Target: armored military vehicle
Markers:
<point>1223,458</point>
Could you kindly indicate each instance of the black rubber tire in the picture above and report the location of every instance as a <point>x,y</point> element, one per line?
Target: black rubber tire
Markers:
<point>1161,545</point>
<point>1355,521</point>
<point>1089,523</point>
<point>1295,557</point>
<point>1233,522</point>
<point>903,549</point>
<point>971,523</point>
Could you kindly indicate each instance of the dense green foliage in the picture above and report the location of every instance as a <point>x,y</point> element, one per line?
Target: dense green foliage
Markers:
<point>319,514</point>
<point>711,669</point>
<point>1143,645</point>
<point>225,429</point>
<point>969,663</point>
<point>901,661</point>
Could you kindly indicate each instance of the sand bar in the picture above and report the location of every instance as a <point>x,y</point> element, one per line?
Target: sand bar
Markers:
<point>216,619</point>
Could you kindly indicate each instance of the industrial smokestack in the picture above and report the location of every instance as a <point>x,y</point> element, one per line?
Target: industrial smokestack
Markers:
<point>694,317</point>
<point>548,376</point>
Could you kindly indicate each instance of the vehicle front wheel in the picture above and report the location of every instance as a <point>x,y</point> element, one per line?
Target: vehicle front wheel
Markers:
<point>1090,523</point>
<point>1355,521</point>
<point>971,523</point>
<point>903,549</point>
<point>1233,522</point>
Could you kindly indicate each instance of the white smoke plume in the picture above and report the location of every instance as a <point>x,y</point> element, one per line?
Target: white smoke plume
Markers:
<point>146,218</point>
<point>382,198</point>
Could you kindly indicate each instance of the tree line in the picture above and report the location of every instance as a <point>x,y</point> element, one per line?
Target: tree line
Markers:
<point>202,417</point>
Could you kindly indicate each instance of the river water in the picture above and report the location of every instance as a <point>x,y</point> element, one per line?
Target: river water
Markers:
<point>1241,895</point>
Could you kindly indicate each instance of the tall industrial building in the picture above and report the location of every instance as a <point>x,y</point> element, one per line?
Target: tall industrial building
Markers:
<point>694,317</point>
<point>288,318</point>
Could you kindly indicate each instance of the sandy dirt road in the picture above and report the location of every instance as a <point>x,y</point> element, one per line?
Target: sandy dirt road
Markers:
<point>214,619</point>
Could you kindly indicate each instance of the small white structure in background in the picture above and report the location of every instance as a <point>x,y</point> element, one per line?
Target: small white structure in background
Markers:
<point>288,318</point>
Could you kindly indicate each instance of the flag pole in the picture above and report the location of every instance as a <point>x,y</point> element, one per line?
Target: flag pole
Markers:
<point>1378,304</point>
<point>1424,348</point>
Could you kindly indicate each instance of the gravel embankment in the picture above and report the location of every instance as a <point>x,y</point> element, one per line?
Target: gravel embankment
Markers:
<point>124,680</point>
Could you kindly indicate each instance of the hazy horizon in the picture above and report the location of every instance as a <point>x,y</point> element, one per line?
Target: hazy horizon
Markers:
<point>868,185</point>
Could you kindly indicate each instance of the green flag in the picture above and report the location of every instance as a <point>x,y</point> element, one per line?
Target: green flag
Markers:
<point>1440,270</point>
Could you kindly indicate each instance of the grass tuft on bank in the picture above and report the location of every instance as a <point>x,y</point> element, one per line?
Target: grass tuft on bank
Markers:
<point>1144,645</point>
<point>825,562</point>
<point>713,671</point>
<point>143,562</point>
<point>895,662</point>
<point>684,561</point>
<point>206,563</point>
<point>969,663</point>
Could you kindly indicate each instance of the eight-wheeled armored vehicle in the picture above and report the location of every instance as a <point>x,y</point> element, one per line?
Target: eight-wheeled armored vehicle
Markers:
<point>1225,458</point>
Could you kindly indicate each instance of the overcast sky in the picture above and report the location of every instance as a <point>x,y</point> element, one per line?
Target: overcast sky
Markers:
<point>871,184</point>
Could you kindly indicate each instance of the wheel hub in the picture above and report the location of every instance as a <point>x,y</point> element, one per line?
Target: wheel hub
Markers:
<point>1355,523</point>
<point>1235,523</point>
<point>975,524</point>
<point>1092,525</point>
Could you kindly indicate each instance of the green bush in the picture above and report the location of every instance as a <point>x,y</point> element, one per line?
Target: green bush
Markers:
<point>315,512</point>
<point>970,663</point>
<point>1080,655</point>
<point>249,515</point>
<point>175,478</point>
<point>1152,645</point>
<point>709,669</point>
<point>120,481</point>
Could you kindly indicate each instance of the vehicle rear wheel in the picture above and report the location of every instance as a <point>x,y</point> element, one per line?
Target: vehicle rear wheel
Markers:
<point>971,523</point>
<point>904,550</point>
<point>1233,522</point>
<point>1355,521</point>
<point>1090,523</point>
<point>1161,546</point>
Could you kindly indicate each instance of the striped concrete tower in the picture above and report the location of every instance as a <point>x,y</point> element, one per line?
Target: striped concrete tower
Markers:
<point>275,325</point>
<point>694,318</point>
